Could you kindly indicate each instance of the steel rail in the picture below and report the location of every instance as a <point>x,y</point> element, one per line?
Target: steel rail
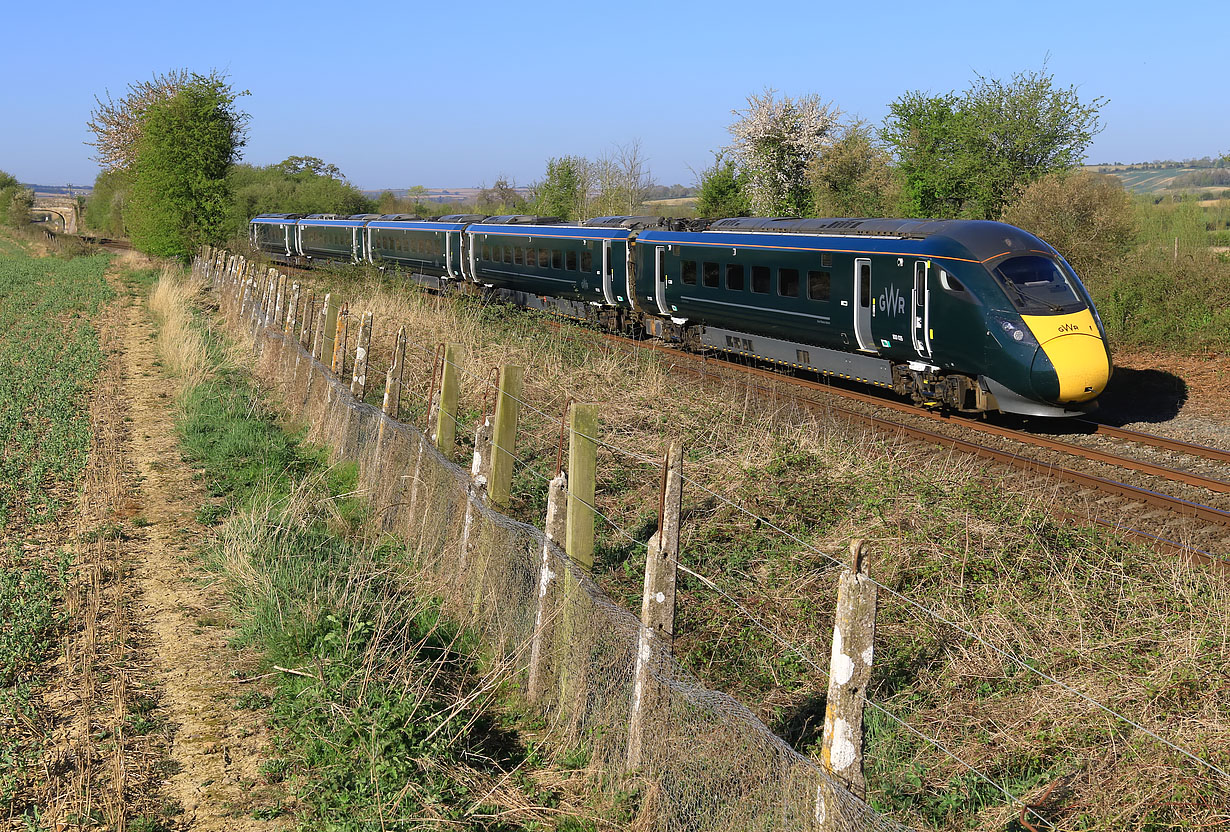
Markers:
<point>1157,441</point>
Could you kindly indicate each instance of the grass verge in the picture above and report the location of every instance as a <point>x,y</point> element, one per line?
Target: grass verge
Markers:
<point>386,714</point>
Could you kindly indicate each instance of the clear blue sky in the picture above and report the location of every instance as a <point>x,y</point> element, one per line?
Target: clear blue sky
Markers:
<point>459,93</point>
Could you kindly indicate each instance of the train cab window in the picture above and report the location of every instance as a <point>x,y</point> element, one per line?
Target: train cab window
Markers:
<point>587,261</point>
<point>711,275</point>
<point>760,280</point>
<point>734,277</point>
<point>688,272</point>
<point>544,258</point>
<point>788,283</point>
<point>572,261</point>
<point>519,256</point>
<point>557,259</point>
<point>531,257</point>
<point>818,285</point>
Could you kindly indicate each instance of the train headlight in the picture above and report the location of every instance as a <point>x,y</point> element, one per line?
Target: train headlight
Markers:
<point>1014,329</point>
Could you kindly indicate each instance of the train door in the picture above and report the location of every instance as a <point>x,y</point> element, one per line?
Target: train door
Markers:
<point>659,279</point>
<point>863,301</point>
<point>608,273</point>
<point>448,254</point>
<point>921,306</point>
<point>356,244</point>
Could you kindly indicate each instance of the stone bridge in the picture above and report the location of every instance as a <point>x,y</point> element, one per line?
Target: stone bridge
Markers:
<point>63,207</point>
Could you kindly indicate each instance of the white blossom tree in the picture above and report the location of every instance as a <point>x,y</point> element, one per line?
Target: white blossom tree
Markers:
<point>116,125</point>
<point>775,139</point>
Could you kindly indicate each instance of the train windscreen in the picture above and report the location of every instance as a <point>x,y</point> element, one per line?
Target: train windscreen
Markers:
<point>1038,286</point>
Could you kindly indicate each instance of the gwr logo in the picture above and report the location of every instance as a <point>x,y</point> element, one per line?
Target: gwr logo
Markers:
<point>892,302</point>
<point>1068,328</point>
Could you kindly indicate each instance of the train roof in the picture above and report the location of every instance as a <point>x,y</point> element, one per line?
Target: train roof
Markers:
<point>523,219</point>
<point>983,239</point>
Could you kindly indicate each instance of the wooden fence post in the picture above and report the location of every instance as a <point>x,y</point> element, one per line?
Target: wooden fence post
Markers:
<point>854,629</point>
<point>504,434</point>
<point>292,312</point>
<point>657,631</point>
<point>329,330</point>
<point>279,304</point>
<point>446,418</point>
<point>308,324</point>
<point>582,464</point>
<point>544,619</point>
<point>358,379</point>
<point>392,379</point>
<point>338,365</point>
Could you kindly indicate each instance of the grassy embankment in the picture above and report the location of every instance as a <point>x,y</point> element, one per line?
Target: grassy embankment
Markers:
<point>387,714</point>
<point>1131,629</point>
<point>49,355</point>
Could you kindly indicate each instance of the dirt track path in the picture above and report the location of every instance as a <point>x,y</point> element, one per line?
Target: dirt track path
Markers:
<point>150,727</point>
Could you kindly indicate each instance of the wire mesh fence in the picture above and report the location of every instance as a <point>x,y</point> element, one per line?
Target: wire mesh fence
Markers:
<point>704,761</point>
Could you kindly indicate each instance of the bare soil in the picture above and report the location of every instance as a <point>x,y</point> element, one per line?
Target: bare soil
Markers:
<point>147,689</point>
<point>1179,395</point>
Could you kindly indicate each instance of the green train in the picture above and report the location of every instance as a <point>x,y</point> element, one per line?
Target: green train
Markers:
<point>971,316</point>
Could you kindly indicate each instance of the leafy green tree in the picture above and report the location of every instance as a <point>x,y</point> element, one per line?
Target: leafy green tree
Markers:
<point>968,155</point>
<point>501,198</point>
<point>775,140</point>
<point>293,186</point>
<point>854,176</point>
<point>720,192</point>
<point>564,191</point>
<point>180,195</point>
<point>1088,217</point>
<point>15,201</point>
<point>104,210</point>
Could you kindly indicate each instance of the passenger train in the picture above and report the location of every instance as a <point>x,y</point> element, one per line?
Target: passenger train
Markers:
<point>971,316</point>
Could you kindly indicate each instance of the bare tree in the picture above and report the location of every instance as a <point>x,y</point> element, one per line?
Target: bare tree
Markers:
<point>635,178</point>
<point>116,125</point>
<point>775,139</point>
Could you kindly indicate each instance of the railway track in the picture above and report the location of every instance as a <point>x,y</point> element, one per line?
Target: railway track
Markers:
<point>1184,525</point>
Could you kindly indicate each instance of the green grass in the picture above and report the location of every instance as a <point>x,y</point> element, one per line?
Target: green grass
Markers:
<point>49,356</point>
<point>377,732</point>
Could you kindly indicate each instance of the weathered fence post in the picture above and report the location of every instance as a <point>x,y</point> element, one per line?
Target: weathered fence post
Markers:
<point>657,631</point>
<point>582,462</point>
<point>446,418</point>
<point>854,629</point>
<point>280,301</point>
<point>544,619</point>
<point>328,330</point>
<point>504,434</point>
<point>338,364</point>
<point>358,380</point>
<point>309,322</point>
<point>392,379</point>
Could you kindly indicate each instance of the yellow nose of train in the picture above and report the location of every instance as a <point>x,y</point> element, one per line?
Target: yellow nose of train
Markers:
<point>1072,364</point>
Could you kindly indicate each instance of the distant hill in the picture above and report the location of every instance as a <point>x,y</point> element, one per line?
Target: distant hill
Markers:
<point>60,190</point>
<point>1153,178</point>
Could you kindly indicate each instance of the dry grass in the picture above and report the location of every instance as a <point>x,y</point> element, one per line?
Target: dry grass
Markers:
<point>182,347</point>
<point>1141,634</point>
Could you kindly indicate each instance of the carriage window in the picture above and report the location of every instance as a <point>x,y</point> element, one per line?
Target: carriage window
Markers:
<point>557,259</point>
<point>864,281</point>
<point>486,252</point>
<point>689,272</point>
<point>734,277</point>
<point>788,283</point>
<point>519,256</point>
<point>760,280</point>
<point>544,258</point>
<point>818,285</point>
<point>610,263</point>
<point>572,261</point>
<point>531,257</point>
<point>711,275</point>
<point>507,254</point>
<point>587,261</point>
